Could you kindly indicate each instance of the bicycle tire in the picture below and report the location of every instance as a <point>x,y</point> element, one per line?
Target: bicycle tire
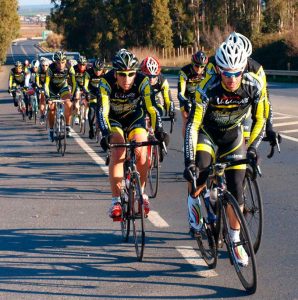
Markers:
<point>125,217</point>
<point>206,238</point>
<point>57,135</point>
<point>246,274</point>
<point>137,215</point>
<point>62,135</point>
<point>153,174</point>
<point>253,209</point>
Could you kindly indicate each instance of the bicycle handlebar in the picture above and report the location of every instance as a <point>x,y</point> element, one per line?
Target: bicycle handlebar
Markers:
<point>134,144</point>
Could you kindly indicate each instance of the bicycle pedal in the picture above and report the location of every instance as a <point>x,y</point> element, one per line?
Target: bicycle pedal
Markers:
<point>117,219</point>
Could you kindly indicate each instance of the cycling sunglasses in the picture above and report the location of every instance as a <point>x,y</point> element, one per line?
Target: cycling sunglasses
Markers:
<point>126,73</point>
<point>199,66</point>
<point>152,76</point>
<point>229,74</point>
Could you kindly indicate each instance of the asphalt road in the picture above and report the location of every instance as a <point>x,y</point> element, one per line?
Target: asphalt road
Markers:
<point>57,241</point>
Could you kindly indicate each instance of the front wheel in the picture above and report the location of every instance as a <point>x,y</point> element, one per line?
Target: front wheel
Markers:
<point>247,273</point>
<point>153,175</point>
<point>125,218</point>
<point>253,208</point>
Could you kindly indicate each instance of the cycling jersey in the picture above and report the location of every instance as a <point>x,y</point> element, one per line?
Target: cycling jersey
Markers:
<point>220,110</point>
<point>120,105</point>
<point>82,78</point>
<point>56,80</point>
<point>16,79</point>
<point>161,89</point>
<point>93,82</point>
<point>187,83</point>
<point>31,76</point>
<point>41,78</point>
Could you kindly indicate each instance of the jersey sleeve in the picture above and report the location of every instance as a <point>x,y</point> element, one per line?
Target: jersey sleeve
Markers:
<point>104,109</point>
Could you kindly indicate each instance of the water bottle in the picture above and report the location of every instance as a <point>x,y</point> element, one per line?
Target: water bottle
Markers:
<point>207,199</point>
<point>213,196</point>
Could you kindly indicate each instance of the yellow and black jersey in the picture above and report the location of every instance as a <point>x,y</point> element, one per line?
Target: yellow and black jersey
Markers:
<point>187,83</point>
<point>118,104</point>
<point>16,78</point>
<point>41,78</point>
<point>56,78</point>
<point>94,79</point>
<point>82,78</point>
<point>220,110</point>
<point>161,91</point>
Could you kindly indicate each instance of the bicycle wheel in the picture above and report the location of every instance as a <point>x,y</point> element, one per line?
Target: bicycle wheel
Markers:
<point>57,134</point>
<point>137,215</point>
<point>247,274</point>
<point>125,218</point>
<point>62,136</point>
<point>206,239</point>
<point>253,209</point>
<point>153,174</point>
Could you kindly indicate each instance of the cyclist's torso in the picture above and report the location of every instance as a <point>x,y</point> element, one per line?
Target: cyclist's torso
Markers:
<point>93,79</point>
<point>17,78</point>
<point>42,77</point>
<point>58,78</point>
<point>80,76</point>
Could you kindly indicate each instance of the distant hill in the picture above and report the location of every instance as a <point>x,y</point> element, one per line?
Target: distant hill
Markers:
<point>32,10</point>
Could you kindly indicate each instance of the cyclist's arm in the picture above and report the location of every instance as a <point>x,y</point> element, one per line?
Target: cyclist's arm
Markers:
<point>181,89</point>
<point>73,80</point>
<point>86,82</point>
<point>145,91</point>
<point>47,82</point>
<point>102,110</point>
<point>167,97</point>
<point>10,81</point>
<point>193,125</point>
<point>258,116</point>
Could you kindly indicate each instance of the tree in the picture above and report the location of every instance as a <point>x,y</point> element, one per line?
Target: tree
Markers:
<point>161,24</point>
<point>9,25</point>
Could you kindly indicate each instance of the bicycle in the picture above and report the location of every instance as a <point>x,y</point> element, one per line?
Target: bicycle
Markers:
<point>155,157</point>
<point>21,102</point>
<point>216,222</point>
<point>132,197</point>
<point>59,125</point>
<point>33,103</point>
<point>83,113</point>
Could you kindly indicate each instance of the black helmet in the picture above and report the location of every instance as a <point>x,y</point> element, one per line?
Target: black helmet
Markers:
<point>125,60</point>
<point>199,58</point>
<point>82,60</point>
<point>18,64</point>
<point>99,63</point>
<point>59,56</point>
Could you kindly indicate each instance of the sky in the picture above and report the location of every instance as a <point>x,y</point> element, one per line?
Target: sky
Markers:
<point>33,2</point>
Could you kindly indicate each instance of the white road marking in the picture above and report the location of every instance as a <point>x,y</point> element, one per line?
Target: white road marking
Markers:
<point>157,220</point>
<point>289,131</point>
<point>153,216</point>
<point>285,124</point>
<point>193,258</point>
<point>282,117</point>
<point>289,138</point>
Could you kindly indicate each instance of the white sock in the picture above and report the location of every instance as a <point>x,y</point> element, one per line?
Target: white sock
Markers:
<point>235,235</point>
<point>116,200</point>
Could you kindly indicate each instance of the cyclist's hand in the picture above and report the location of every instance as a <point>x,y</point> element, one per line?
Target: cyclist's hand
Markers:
<point>252,153</point>
<point>104,143</point>
<point>162,136</point>
<point>190,172</point>
<point>187,106</point>
<point>272,136</point>
<point>172,115</point>
<point>87,96</point>
<point>9,91</point>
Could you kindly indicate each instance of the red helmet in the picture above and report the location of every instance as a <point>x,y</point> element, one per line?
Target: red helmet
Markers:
<point>150,66</point>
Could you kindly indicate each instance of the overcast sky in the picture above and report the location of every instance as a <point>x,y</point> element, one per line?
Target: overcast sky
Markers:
<point>33,2</point>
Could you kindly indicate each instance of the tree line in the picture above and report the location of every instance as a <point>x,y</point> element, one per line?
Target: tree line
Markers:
<point>98,27</point>
<point>9,25</point>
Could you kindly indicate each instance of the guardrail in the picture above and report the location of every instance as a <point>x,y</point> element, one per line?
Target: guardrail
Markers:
<point>268,72</point>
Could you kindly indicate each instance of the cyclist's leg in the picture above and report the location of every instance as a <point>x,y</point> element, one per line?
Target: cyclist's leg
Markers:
<point>91,118</point>
<point>66,96</point>
<point>42,105</point>
<point>14,95</point>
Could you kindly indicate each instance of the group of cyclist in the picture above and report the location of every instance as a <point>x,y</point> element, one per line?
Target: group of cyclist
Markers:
<point>223,102</point>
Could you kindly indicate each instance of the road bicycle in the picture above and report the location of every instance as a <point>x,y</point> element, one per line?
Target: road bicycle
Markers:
<point>33,104</point>
<point>216,225</point>
<point>59,125</point>
<point>155,154</point>
<point>132,197</point>
<point>83,113</point>
<point>21,103</point>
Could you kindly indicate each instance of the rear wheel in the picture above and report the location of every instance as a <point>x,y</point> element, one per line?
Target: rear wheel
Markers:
<point>125,218</point>
<point>137,216</point>
<point>253,209</point>
<point>247,274</point>
<point>153,176</point>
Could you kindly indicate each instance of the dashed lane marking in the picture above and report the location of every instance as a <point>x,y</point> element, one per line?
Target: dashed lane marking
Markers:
<point>285,124</point>
<point>193,258</point>
<point>289,138</point>
<point>157,220</point>
<point>289,131</point>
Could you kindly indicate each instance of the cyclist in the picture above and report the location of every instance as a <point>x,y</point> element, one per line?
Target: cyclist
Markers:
<point>16,79</point>
<point>26,65</point>
<point>150,67</point>
<point>189,77</point>
<point>255,67</point>
<point>216,121</point>
<point>30,82</point>
<point>82,79</point>
<point>122,92</point>
<point>56,83</point>
<point>95,73</point>
<point>40,81</point>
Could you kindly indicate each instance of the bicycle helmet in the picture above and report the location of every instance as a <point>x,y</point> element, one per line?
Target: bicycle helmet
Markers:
<point>150,66</point>
<point>99,64</point>
<point>35,63</point>
<point>18,64</point>
<point>125,60</point>
<point>236,37</point>
<point>199,58</point>
<point>59,56</point>
<point>82,60</point>
<point>231,56</point>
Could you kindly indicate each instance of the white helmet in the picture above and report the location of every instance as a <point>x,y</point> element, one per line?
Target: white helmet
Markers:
<point>236,38</point>
<point>231,56</point>
<point>35,63</point>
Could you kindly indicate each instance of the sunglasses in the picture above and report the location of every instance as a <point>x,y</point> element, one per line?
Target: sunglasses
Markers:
<point>199,66</point>
<point>152,76</point>
<point>230,74</point>
<point>44,65</point>
<point>126,73</point>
